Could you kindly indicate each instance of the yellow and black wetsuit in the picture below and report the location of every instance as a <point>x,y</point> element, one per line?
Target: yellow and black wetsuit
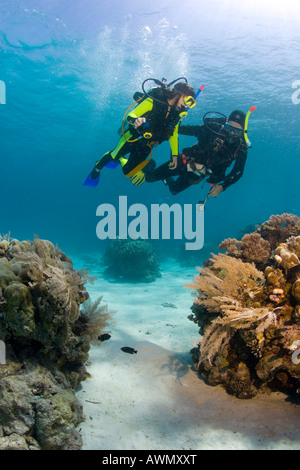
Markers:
<point>163,121</point>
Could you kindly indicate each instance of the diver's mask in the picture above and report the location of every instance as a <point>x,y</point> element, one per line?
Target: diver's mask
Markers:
<point>232,133</point>
<point>218,125</point>
<point>189,101</point>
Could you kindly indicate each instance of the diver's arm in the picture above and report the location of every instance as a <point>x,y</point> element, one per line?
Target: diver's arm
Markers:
<point>237,170</point>
<point>195,131</point>
<point>143,108</point>
<point>174,141</point>
<point>174,147</point>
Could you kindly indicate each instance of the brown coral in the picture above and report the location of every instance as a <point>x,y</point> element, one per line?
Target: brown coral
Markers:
<point>228,282</point>
<point>228,289</point>
<point>279,228</point>
<point>249,314</point>
<point>296,290</point>
<point>47,339</point>
<point>251,248</point>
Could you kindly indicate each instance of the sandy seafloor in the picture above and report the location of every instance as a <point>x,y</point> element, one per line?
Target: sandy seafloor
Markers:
<point>154,400</point>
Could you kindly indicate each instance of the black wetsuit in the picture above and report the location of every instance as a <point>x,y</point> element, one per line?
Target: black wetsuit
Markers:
<point>214,152</point>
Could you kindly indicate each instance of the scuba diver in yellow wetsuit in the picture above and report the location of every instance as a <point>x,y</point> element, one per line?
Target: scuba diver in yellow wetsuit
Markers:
<point>154,120</point>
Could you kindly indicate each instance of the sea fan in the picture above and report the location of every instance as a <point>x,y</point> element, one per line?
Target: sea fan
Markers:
<point>98,319</point>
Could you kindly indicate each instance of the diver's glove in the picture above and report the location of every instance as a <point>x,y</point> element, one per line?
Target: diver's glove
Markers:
<point>138,178</point>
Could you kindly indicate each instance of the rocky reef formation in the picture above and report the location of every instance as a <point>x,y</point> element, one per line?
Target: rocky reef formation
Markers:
<point>131,260</point>
<point>47,337</point>
<point>248,311</point>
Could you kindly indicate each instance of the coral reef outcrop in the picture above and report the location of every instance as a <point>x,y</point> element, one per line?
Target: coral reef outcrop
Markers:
<point>47,337</point>
<point>131,260</point>
<point>248,311</point>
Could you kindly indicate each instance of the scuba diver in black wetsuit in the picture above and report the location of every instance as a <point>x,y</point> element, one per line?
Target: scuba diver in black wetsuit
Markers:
<point>154,120</point>
<point>221,142</point>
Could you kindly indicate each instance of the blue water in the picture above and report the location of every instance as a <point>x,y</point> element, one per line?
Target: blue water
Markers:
<point>70,69</point>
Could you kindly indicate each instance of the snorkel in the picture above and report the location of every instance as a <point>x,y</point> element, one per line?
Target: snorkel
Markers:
<point>189,101</point>
<point>253,108</point>
<point>199,91</point>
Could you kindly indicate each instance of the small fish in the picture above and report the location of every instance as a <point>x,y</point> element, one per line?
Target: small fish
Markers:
<point>128,350</point>
<point>104,337</point>
<point>87,375</point>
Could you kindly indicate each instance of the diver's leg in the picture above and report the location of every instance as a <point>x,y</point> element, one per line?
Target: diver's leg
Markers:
<point>164,172</point>
<point>139,152</point>
<point>100,164</point>
<point>182,183</point>
<point>121,148</point>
